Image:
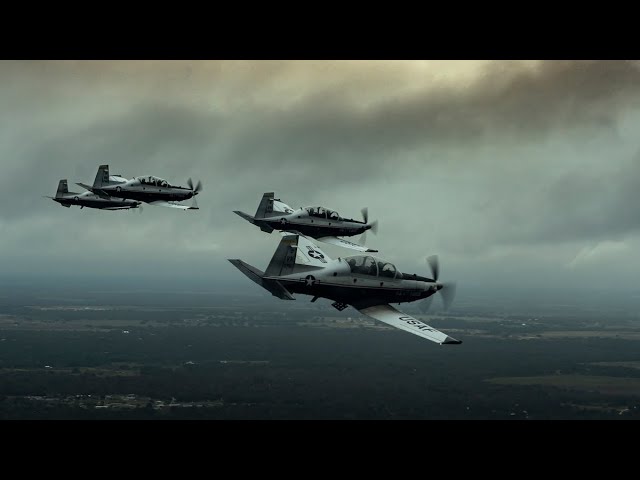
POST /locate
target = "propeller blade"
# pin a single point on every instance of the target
(190, 183)
(365, 214)
(374, 227)
(448, 292)
(198, 187)
(425, 305)
(434, 265)
(363, 238)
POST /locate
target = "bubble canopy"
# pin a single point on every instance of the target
(154, 181)
(371, 266)
(321, 212)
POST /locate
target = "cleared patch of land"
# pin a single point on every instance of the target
(115, 371)
(635, 365)
(605, 385)
(620, 334)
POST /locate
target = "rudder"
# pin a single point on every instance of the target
(62, 188)
(284, 258)
(265, 209)
(102, 177)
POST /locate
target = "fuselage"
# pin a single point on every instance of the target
(147, 189)
(91, 200)
(353, 285)
(314, 225)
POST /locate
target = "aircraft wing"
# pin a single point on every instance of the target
(162, 203)
(395, 318)
(286, 233)
(341, 242)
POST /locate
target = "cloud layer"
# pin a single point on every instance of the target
(512, 171)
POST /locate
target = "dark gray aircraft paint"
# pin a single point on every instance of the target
(316, 222)
(367, 283)
(90, 200)
(146, 189)
(149, 189)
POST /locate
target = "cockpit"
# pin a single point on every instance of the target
(153, 181)
(321, 212)
(373, 267)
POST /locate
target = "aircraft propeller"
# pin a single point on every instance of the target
(448, 290)
(373, 226)
(198, 188)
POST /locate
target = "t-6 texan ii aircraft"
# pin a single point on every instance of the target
(148, 189)
(367, 283)
(317, 222)
(87, 199)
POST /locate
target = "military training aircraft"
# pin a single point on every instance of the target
(368, 284)
(317, 222)
(87, 199)
(148, 189)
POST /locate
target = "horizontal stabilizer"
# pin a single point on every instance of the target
(273, 286)
(101, 193)
(263, 225)
(246, 216)
(86, 187)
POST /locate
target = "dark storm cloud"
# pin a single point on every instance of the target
(583, 204)
(433, 160)
(505, 104)
(325, 129)
(147, 132)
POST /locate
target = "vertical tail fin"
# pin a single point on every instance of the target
(265, 209)
(296, 253)
(102, 177)
(62, 188)
(284, 259)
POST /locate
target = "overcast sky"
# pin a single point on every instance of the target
(515, 173)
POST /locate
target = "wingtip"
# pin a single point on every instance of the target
(451, 341)
(371, 250)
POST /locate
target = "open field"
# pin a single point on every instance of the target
(605, 385)
(194, 356)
